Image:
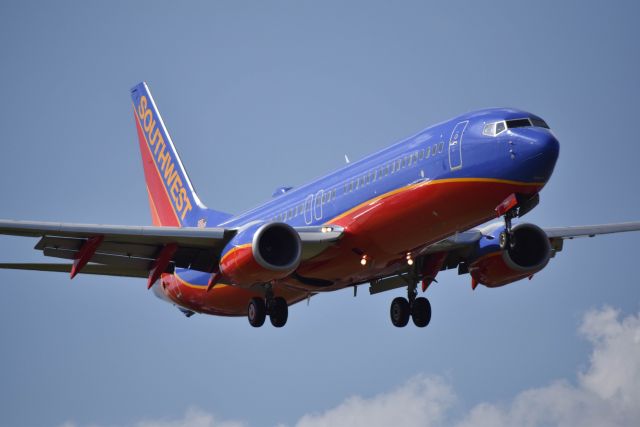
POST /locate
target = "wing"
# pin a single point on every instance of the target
(590, 230)
(137, 251)
(455, 250)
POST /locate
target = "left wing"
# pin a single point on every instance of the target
(139, 251)
(590, 230)
(455, 251)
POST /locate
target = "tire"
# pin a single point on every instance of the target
(256, 312)
(502, 240)
(421, 312)
(279, 312)
(400, 312)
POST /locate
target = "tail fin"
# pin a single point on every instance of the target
(172, 198)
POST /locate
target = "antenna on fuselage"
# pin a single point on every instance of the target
(346, 159)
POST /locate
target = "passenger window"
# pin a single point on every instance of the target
(333, 194)
(427, 152)
(440, 147)
(420, 154)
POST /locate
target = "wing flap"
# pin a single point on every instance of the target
(106, 270)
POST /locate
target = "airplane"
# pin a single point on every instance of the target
(393, 219)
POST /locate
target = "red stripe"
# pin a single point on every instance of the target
(159, 198)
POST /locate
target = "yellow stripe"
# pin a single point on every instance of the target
(234, 249)
(164, 187)
(435, 182)
(194, 286)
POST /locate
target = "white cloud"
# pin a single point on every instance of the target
(422, 401)
(606, 393)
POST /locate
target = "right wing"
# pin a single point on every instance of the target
(135, 251)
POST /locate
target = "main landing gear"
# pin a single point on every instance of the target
(507, 240)
(275, 307)
(419, 309)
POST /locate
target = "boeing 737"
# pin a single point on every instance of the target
(394, 219)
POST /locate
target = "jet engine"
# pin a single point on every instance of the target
(527, 252)
(259, 255)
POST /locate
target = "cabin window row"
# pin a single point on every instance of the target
(297, 210)
(392, 167)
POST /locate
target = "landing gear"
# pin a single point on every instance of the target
(275, 307)
(507, 240)
(256, 312)
(278, 312)
(421, 312)
(419, 309)
(400, 312)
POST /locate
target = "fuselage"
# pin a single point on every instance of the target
(447, 178)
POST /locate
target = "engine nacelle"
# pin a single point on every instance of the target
(261, 254)
(529, 253)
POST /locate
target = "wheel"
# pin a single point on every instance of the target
(400, 312)
(256, 312)
(278, 312)
(421, 312)
(503, 240)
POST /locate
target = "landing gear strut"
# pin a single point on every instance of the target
(506, 237)
(276, 307)
(419, 309)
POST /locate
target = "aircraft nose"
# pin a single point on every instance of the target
(537, 151)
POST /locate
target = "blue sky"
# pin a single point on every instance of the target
(258, 95)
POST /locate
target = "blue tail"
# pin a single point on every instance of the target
(172, 198)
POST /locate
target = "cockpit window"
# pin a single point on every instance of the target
(518, 123)
(496, 128)
(539, 123)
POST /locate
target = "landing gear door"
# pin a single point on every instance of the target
(455, 145)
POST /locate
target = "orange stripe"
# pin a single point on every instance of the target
(234, 249)
(420, 184)
(155, 218)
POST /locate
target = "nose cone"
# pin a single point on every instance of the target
(536, 151)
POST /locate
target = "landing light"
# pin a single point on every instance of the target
(364, 260)
(409, 259)
(326, 229)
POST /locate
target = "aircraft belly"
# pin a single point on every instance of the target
(387, 229)
(222, 299)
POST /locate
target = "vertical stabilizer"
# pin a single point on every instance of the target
(172, 199)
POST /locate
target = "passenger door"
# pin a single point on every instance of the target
(455, 145)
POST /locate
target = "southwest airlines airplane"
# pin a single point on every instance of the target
(393, 220)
